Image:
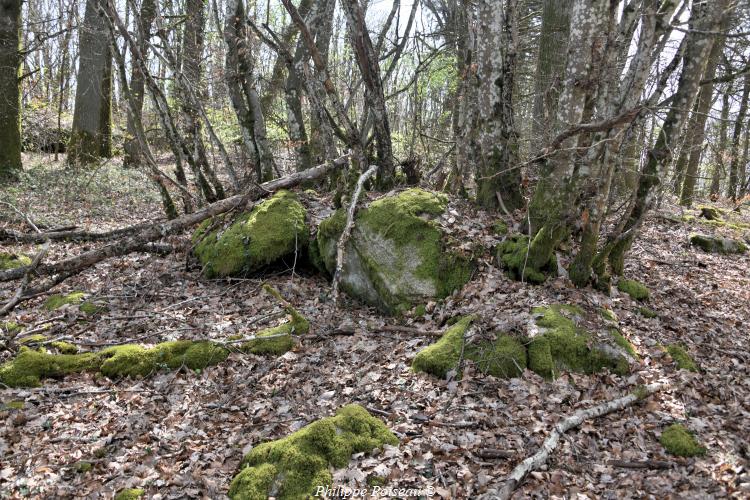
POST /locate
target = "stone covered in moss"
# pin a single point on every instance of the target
(681, 357)
(30, 366)
(293, 467)
(561, 345)
(274, 229)
(503, 358)
(511, 254)
(64, 347)
(57, 301)
(609, 315)
(397, 256)
(720, 245)
(278, 340)
(679, 441)
(710, 213)
(443, 356)
(130, 494)
(636, 289)
(12, 260)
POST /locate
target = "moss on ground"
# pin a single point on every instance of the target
(278, 340)
(10, 327)
(130, 494)
(83, 467)
(504, 358)
(443, 356)
(511, 254)
(500, 227)
(679, 441)
(623, 342)
(564, 346)
(636, 289)
(717, 245)
(293, 467)
(64, 347)
(681, 357)
(12, 260)
(609, 314)
(647, 313)
(274, 229)
(31, 366)
(91, 309)
(57, 301)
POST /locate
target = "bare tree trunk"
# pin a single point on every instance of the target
(10, 95)
(734, 165)
(720, 167)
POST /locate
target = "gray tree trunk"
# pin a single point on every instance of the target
(10, 95)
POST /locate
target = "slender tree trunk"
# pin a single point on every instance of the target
(91, 137)
(10, 95)
(734, 164)
(720, 167)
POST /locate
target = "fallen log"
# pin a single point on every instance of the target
(570, 422)
(133, 242)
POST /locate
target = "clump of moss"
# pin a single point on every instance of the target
(57, 301)
(10, 327)
(31, 366)
(620, 340)
(272, 230)
(32, 339)
(278, 340)
(636, 289)
(293, 467)
(443, 356)
(504, 358)
(648, 313)
(679, 441)
(130, 494)
(500, 227)
(717, 245)
(609, 314)
(710, 213)
(83, 467)
(681, 357)
(64, 347)
(13, 260)
(91, 309)
(564, 346)
(12, 405)
(511, 254)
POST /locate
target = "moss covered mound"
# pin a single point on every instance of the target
(31, 366)
(273, 230)
(710, 213)
(293, 467)
(12, 260)
(713, 244)
(679, 441)
(57, 301)
(7, 327)
(277, 340)
(648, 313)
(505, 357)
(397, 256)
(130, 494)
(636, 289)
(681, 357)
(561, 345)
(511, 254)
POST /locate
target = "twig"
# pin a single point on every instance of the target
(645, 464)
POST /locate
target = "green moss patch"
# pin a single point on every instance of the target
(609, 315)
(512, 253)
(500, 227)
(12, 260)
(713, 244)
(710, 213)
(293, 467)
(10, 327)
(648, 313)
(679, 441)
(57, 301)
(623, 342)
(64, 347)
(278, 340)
(130, 494)
(443, 356)
(636, 289)
(564, 346)
(397, 256)
(504, 358)
(681, 357)
(273, 230)
(31, 366)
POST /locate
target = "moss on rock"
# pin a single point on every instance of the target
(91, 309)
(713, 244)
(274, 229)
(681, 357)
(12, 260)
(623, 342)
(561, 345)
(57, 301)
(443, 356)
(679, 441)
(512, 253)
(293, 467)
(31, 366)
(609, 315)
(397, 255)
(636, 289)
(64, 347)
(278, 340)
(504, 358)
(130, 494)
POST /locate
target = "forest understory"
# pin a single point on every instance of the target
(182, 434)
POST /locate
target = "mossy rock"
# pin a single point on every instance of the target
(505, 357)
(130, 494)
(13, 260)
(31, 366)
(710, 213)
(636, 289)
(64, 347)
(397, 256)
(57, 301)
(681, 357)
(274, 229)
(561, 345)
(292, 468)
(278, 339)
(720, 245)
(609, 315)
(679, 441)
(511, 255)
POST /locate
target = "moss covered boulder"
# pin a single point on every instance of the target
(12, 260)
(397, 256)
(512, 255)
(636, 289)
(682, 358)
(679, 441)
(294, 467)
(31, 366)
(273, 230)
(714, 244)
(505, 357)
(557, 344)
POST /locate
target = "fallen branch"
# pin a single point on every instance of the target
(570, 422)
(645, 464)
(19, 295)
(347, 232)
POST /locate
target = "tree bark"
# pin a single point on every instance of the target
(734, 162)
(10, 95)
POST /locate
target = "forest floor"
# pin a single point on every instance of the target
(182, 434)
